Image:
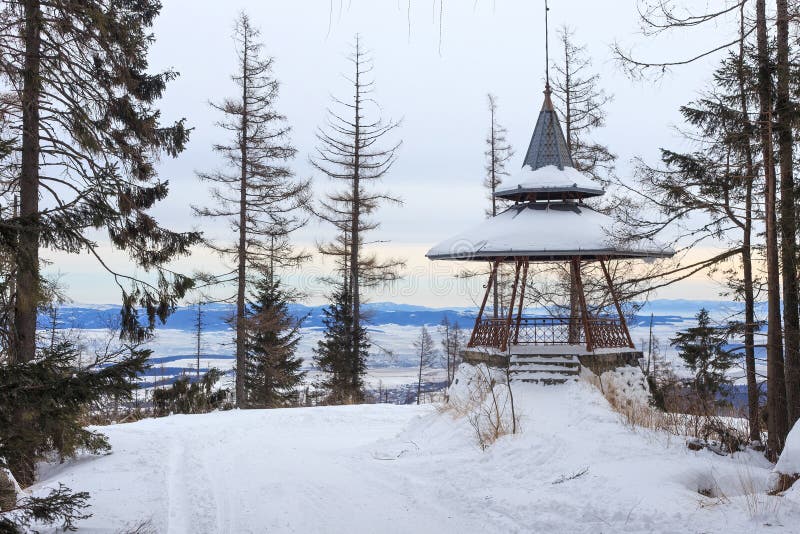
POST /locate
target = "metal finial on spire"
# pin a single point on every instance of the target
(546, 48)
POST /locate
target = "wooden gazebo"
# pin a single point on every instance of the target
(548, 222)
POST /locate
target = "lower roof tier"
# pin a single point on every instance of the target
(544, 232)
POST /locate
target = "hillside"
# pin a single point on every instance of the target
(384, 468)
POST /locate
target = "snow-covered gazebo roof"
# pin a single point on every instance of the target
(549, 221)
(543, 232)
(549, 183)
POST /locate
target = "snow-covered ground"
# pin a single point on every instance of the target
(386, 468)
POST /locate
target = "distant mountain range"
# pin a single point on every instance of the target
(216, 317)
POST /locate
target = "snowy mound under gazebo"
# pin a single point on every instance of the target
(548, 222)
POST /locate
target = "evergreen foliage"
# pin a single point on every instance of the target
(42, 403)
(185, 396)
(335, 355)
(60, 506)
(86, 138)
(702, 348)
(272, 373)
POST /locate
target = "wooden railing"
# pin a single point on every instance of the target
(604, 332)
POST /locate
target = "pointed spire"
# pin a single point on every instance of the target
(548, 145)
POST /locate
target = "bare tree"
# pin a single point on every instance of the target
(427, 353)
(198, 331)
(453, 340)
(257, 193)
(582, 104)
(498, 152)
(350, 152)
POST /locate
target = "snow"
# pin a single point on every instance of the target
(549, 177)
(385, 468)
(556, 230)
(627, 383)
(789, 462)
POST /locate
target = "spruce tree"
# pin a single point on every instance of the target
(273, 370)
(702, 348)
(352, 153)
(343, 366)
(42, 402)
(256, 193)
(86, 140)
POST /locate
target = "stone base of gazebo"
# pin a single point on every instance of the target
(561, 359)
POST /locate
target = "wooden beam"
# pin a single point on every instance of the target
(511, 302)
(521, 299)
(623, 322)
(576, 262)
(483, 304)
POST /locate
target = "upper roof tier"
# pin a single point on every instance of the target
(544, 232)
(548, 172)
(549, 183)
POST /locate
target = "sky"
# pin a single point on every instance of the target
(434, 64)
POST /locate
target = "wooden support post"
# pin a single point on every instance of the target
(521, 299)
(576, 263)
(504, 344)
(483, 304)
(622, 320)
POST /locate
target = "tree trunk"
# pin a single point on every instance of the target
(776, 385)
(242, 259)
(574, 325)
(419, 379)
(788, 223)
(747, 263)
(27, 282)
(493, 180)
(354, 234)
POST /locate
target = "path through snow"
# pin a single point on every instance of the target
(396, 469)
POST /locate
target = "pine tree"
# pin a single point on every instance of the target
(187, 396)
(273, 372)
(351, 152)
(702, 348)
(42, 402)
(344, 368)
(87, 136)
(257, 193)
(710, 194)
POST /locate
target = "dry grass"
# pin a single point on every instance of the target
(488, 407)
(688, 419)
